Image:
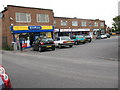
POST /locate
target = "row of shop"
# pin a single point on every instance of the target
(31, 33)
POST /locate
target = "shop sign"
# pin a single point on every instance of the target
(56, 30)
(16, 28)
(20, 28)
(81, 29)
(65, 30)
(34, 27)
(96, 29)
(46, 27)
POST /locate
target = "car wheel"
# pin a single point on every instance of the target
(40, 49)
(33, 49)
(90, 40)
(53, 48)
(83, 42)
(76, 43)
(70, 45)
(60, 46)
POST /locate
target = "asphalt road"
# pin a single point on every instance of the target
(91, 65)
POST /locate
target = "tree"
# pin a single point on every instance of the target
(116, 24)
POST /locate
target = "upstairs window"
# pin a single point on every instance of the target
(101, 24)
(74, 23)
(83, 23)
(23, 17)
(43, 18)
(95, 23)
(63, 23)
(90, 24)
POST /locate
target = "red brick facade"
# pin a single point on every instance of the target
(9, 19)
(69, 23)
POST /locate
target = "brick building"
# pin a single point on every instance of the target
(27, 22)
(31, 23)
(66, 26)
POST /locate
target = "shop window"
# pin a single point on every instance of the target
(43, 18)
(23, 17)
(101, 24)
(74, 23)
(95, 23)
(83, 23)
(63, 23)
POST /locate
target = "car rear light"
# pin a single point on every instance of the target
(5, 78)
(53, 42)
(72, 41)
(41, 43)
(65, 42)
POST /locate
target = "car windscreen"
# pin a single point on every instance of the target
(46, 39)
(65, 38)
(80, 36)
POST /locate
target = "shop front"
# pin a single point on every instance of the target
(70, 32)
(27, 34)
(98, 31)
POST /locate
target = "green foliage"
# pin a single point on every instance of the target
(116, 24)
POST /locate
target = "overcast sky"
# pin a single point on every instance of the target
(86, 9)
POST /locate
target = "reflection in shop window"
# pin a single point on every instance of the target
(23, 17)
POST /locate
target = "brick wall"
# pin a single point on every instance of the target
(69, 24)
(10, 13)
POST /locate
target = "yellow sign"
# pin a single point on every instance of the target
(46, 27)
(20, 27)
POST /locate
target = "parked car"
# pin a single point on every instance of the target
(104, 36)
(79, 39)
(5, 82)
(108, 35)
(63, 41)
(88, 38)
(43, 44)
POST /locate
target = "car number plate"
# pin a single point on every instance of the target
(68, 42)
(48, 46)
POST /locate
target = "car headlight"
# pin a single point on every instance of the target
(5, 76)
(2, 70)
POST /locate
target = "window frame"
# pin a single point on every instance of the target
(96, 24)
(102, 24)
(28, 16)
(64, 21)
(83, 23)
(45, 21)
(74, 23)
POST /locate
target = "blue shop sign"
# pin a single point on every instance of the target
(34, 27)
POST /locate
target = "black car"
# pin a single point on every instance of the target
(43, 44)
(88, 38)
(108, 35)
